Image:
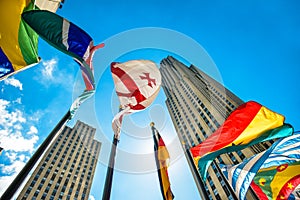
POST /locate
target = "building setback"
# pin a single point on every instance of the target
(198, 105)
(67, 168)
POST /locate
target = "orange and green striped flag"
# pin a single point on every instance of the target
(18, 42)
(249, 124)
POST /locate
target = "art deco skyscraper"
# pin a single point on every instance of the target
(67, 168)
(198, 105)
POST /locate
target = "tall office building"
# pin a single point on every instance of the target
(198, 105)
(67, 168)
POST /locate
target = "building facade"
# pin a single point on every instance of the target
(50, 5)
(67, 168)
(198, 105)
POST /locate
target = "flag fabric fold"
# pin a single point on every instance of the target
(18, 42)
(282, 153)
(279, 175)
(71, 40)
(162, 162)
(277, 182)
(137, 83)
(249, 124)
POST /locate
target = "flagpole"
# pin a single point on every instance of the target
(226, 181)
(253, 195)
(14, 186)
(156, 158)
(110, 168)
(202, 192)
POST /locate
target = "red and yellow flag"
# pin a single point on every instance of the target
(247, 123)
(162, 161)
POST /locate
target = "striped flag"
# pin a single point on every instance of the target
(70, 39)
(240, 176)
(162, 162)
(137, 83)
(279, 175)
(249, 124)
(18, 42)
(66, 37)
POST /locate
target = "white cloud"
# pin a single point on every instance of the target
(12, 124)
(91, 197)
(36, 115)
(18, 143)
(5, 181)
(50, 66)
(13, 168)
(50, 74)
(8, 119)
(33, 130)
(18, 138)
(13, 82)
(18, 100)
(12, 156)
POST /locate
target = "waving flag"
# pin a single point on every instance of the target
(277, 182)
(18, 42)
(162, 162)
(66, 37)
(279, 175)
(137, 84)
(249, 124)
(282, 153)
(70, 39)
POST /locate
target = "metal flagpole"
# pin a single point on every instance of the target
(202, 192)
(110, 168)
(14, 186)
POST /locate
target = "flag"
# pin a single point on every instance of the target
(249, 124)
(71, 40)
(137, 83)
(277, 182)
(162, 162)
(66, 37)
(18, 42)
(240, 176)
(280, 173)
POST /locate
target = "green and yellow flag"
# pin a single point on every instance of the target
(18, 42)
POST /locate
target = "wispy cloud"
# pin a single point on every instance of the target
(13, 82)
(33, 130)
(5, 181)
(49, 67)
(13, 168)
(12, 123)
(51, 74)
(18, 137)
(9, 118)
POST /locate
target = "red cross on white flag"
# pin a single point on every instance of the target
(137, 84)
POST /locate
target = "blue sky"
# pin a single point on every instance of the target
(252, 47)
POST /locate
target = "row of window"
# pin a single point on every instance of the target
(84, 155)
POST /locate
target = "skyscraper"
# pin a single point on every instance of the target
(198, 105)
(67, 168)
